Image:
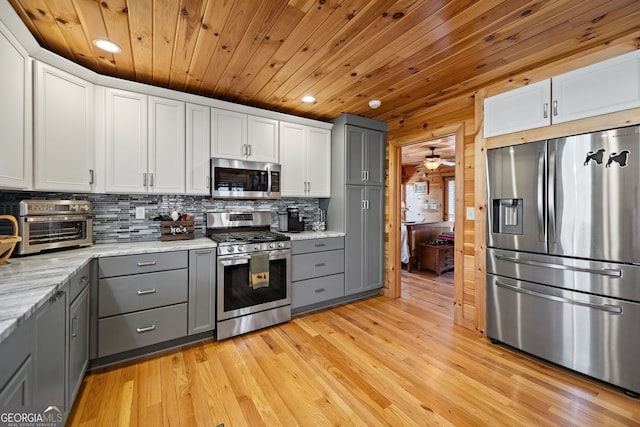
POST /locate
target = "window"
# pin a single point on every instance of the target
(450, 199)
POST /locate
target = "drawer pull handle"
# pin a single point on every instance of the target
(319, 290)
(146, 263)
(74, 327)
(320, 245)
(147, 291)
(84, 280)
(146, 329)
(322, 264)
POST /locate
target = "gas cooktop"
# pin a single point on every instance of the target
(244, 232)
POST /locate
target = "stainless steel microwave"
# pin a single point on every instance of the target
(243, 179)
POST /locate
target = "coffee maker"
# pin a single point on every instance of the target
(294, 223)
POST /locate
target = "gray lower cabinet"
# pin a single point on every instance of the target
(16, 368)
(45, 358)
(142, 300)
(49, 353)
(78, 343)
(202, 291)
(125, 332)
(364, 242)
(317, 272)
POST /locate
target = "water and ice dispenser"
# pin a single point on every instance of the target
(507, 216)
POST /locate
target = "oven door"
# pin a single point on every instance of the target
(41, 233)
(236, 296)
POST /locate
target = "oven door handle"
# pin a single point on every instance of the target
(244, 258)
(235, 261)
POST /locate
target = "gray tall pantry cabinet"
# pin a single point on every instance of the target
(356, 206)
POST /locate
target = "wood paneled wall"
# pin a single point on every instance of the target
(466, 112)
(427, 207)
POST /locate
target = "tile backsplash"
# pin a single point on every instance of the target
(114, 216)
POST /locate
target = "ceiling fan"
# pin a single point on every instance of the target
(433, 161)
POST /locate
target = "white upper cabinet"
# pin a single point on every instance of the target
(262, 139)
(293, 160)
(166, 167)
(198, 133)
(126, 142)
(605, 87)
(15, 114)
(524, 108)
(305, 157)
(319, 161)
(602, 88)
(228, 134)
(64, 131)
(243, 137)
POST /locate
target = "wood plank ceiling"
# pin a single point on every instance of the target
(269, 53)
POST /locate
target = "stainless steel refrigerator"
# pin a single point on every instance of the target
(563, 252)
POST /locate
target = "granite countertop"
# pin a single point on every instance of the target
(306, 235)
(27, 283)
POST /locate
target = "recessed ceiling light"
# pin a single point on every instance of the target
(107, 45)
(308, 99)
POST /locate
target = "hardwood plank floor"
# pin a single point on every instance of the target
(374, 362)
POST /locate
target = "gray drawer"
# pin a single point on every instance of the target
(119, 295)
(130, 331)
(316, 264)
(15, 349)
(315, 245)
(79, 281)
(145, 263)
(317, 290)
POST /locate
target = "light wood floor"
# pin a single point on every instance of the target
(375, 362)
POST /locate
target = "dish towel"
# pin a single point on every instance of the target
(259, 269)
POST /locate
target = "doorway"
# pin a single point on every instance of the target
(395, 216)
(427, 195)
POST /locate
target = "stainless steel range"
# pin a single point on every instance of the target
(253, 272)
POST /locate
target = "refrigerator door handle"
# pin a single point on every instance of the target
(604, 307)
(552, 195)
(540, 196)
(601, 272)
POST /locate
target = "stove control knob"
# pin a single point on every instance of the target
(240, 248)
(281, 245)
(256, 248)
(272, 245)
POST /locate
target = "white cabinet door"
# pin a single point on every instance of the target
(524, 108)
(605, 87)
(198, 134)
(319, 163)
(262, 139)
(15, 114)
(305, 157)
(126, 142)
(293, 159)
(228, 134)
(166, 162)
(64, 131)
